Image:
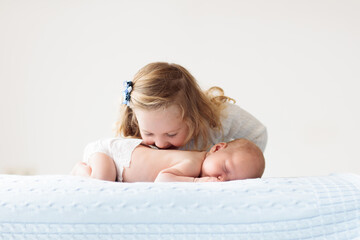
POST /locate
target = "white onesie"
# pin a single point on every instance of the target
(119, 149)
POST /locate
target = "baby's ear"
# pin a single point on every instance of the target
(218, 146)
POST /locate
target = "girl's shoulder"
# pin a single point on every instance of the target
(238, 123)
(232, 112)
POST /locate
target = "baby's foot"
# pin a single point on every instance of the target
(81, 169)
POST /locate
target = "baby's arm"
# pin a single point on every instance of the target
(183, 172)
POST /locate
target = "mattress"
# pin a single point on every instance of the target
(69, 207)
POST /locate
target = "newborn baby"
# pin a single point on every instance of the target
(238, 159)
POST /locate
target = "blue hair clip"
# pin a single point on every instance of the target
(128, 87)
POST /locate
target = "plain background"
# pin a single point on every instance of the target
(295, 65)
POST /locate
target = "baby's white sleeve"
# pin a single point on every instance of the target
(116, 148)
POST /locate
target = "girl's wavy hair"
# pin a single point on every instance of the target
(161, 84)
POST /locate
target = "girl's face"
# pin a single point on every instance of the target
(163, 128)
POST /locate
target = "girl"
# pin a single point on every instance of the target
(165, 107)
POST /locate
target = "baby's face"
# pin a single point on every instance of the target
(227, 164)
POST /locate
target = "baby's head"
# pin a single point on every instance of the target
(238, 159)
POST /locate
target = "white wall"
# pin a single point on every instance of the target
(292, 64)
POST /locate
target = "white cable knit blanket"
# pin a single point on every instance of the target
(67, 207)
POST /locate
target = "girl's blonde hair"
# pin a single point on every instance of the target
(159, 85)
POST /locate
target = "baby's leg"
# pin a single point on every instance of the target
(81, 169)
(102, 167)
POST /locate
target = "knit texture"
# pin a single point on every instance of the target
(67, 207)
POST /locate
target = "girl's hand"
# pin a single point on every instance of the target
(207, 179)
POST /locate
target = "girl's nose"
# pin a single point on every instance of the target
(162, 144)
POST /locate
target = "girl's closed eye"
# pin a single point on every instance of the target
(171, 134)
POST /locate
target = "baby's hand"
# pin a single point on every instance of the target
(207, 179)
